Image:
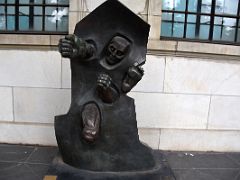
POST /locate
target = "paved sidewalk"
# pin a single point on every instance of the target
(204, 166)
(32, 162)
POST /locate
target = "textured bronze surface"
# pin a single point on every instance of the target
(99, 133)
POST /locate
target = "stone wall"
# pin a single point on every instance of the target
(189, 98)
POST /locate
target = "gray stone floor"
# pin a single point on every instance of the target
(204, 166)
(31, 163)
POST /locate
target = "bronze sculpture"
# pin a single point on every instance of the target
(98, 137)
(73, 47)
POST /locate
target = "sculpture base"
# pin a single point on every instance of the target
(62, 171)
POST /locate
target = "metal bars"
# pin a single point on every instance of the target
(237, 23)
(212, 20)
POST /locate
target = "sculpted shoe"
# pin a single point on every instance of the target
(91, 121)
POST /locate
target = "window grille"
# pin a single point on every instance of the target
(214, 21)
(34, 16)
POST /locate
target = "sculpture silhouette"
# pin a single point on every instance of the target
(99, 133)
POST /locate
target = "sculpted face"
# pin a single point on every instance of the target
(117, 50)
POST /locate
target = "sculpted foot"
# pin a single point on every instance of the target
(91, 122)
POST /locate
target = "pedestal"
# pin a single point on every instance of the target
(62, 171)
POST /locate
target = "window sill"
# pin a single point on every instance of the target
(29, 40)
(192, 48)
(154, 46)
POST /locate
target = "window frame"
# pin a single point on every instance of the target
(31, 6)
(198, 14)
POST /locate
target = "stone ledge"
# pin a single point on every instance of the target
(29, 39)
(181, 48)
(157, 45)
(208, 48)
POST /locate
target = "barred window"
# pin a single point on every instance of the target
(34, 16)
(214, 21)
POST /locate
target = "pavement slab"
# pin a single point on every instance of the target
(32, 163)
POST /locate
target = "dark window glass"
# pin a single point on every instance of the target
(206, 6)
(10, 1)
(23, 1)
(226, 7)
(23, 18)
(38, 1)
(191, 26)
(34, 16)
(10, 23)
(192, 5)
(201, 20)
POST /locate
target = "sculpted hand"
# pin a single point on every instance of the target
(106, 89)
(68, 46)
(104, 81)
(71, 46)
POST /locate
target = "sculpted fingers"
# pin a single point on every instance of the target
(74, 39)
(65, 47)
(66, 54)
(71, 47)
(104, 83)
(104, 80)
(66, 51)
(70, 37)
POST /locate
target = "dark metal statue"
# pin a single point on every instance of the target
(99, 133)
(73, 47)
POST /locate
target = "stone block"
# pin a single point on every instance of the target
(160, 45)
(27, 134)
(202, 76)
(137, 6)
(30, 68)
(155, 7)
(224, 113)
(73, 20)
(6, 104)
(199, 140)
(208, 48)
(55, 39)
(24, 39)
(150, 137)
(38, 105)
(155, 110)
(155, 22)
(153, 75)
(93, 4)
(66, 73)
(74, 5)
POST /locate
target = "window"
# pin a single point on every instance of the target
(34, 16)
(201, 20)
